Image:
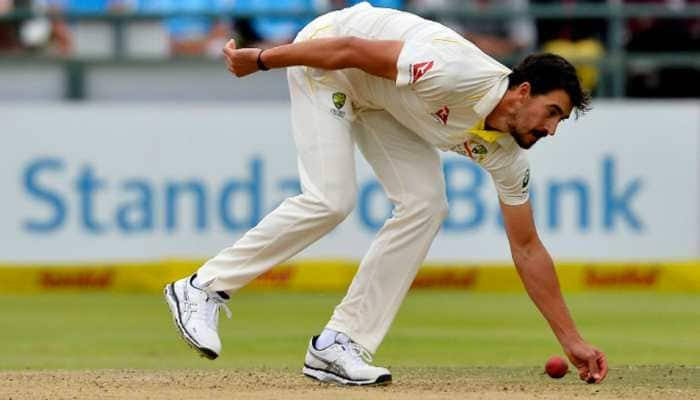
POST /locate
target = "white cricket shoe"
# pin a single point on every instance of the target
(344, 362)
(196, 315)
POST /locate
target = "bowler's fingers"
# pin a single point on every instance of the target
(229, 52)
(594, 374)
(230, 48)
(229, 64)
(602, 366)
(597, 368)
(583, 373)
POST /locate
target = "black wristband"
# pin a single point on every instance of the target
(261, 64)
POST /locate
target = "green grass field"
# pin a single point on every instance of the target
(270, 330)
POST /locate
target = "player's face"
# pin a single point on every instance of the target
(538, 116)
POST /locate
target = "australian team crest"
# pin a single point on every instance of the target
(477, 151)
(339, 102)
(478, 148)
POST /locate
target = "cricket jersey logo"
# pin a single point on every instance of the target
(526, 180)
(479, 149)
(420, 69)
(339, 102)
(475, 151)
(442, 114)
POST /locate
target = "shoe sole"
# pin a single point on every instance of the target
(330, 377)
(174, 306)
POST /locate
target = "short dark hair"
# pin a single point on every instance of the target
(546, 72)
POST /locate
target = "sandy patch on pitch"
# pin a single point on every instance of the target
(409, 384)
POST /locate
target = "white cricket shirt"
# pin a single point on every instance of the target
(444, 90)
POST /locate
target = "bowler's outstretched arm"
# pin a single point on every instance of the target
(537, 273)
(375, 57)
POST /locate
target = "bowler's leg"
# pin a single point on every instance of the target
(326, 165)
(327, 172)
(411, 173)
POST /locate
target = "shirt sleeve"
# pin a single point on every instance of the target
(426, 69)
(512, 180)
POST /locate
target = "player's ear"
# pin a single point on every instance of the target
(524, 89)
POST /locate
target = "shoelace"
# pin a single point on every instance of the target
(212, 312)
(211, 309)
(356, 354)
(361, 352)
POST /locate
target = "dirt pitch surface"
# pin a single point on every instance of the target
(653, 382)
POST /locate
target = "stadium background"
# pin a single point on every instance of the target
(130, 156)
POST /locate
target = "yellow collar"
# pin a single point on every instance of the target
(487, 135)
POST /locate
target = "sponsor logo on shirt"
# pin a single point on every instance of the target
(339, 102)
(419, 69)
(526, 180)
(475, 151)
(442, 114)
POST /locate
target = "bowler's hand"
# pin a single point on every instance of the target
(240, 62)
(590, 362)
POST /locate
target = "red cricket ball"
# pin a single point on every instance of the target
(556, 367)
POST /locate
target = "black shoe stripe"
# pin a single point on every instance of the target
(180, 325)
(186, 335)
(383, 379)
(380, 378)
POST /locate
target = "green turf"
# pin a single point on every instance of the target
(434, 328)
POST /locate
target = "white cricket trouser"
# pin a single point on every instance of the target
(410, 171)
